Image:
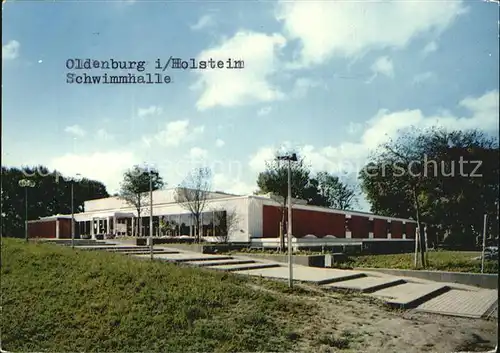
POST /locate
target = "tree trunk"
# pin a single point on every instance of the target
(420, 228)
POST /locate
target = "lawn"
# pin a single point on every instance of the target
(455, 261)
(55, 299)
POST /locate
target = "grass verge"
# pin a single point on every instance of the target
(56, 299)
(454, 261)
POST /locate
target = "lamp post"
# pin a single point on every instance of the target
(290, 158)
(77, 178)
(150, 213)
(26, 183)
(485, 225)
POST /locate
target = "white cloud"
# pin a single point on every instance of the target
(219, 143)
(106, 167)
(430, 48)
(422, 77)
(302, 86)
(258, 161)
(354, 128)
(264, 111)
(103, 135)
(348, 158)
(10, 51)
(198, 153)
(232, 185)
(351, 28)
(177, 132)
(204, 22)
(151, 110)
(233, 87)
(75, 130)
(383, 66)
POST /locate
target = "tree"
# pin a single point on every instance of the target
(135, 187)
(333, 193)
(193, 193)
(275, 180)
(226, 222)
(51, 195)
(427, 174)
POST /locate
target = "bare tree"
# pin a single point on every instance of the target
(226, 223)
(193, 193)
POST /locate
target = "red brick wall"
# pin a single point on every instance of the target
(379, 228)
(323, 223)
(271, 218)
(42, 229)
(359, 227)
(65, 228)
(304, 222)
(410, 230)
(396, 230)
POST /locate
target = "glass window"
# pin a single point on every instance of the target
(185, 224)
(220, 223)
(208, 224)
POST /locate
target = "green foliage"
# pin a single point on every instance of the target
(439, 168)
(50, 195)
(453, 261)
(136, 182)
(323, 189)
(59, 300)
(135, 187)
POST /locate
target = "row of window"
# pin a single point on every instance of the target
(213, 224)
(408, 229)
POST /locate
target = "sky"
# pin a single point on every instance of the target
(329, 79)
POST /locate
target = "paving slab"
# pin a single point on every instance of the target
(409, 295)
(462, 303)
(138, 252)
(366, 284)
(423, 281)
(307, 274)
(242, 267)
(183, 257)
(109, 247)
(212, 262)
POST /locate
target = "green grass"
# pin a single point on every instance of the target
(454, 261)
(57, 299)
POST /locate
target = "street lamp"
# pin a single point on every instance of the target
(151, 213)
(149, 172)
(26, 183)
(290, 158)
(76, 178)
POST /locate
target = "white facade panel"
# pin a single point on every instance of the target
(255, 220)
(238, 205)
(160, 197)
(164, 204)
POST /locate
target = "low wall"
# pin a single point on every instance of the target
(489, 281)
(201, 248)
(304, 260)
(186, 247)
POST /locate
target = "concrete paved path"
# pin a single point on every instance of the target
(405, 292)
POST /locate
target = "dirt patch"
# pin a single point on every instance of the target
(356, 323)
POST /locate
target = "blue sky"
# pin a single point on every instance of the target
(329, 79)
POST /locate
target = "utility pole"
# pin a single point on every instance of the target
(73, 180)
(417, 232)
(289, 230)
(26, 183)
(485, 225)
(151, 214)
(290, 158)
